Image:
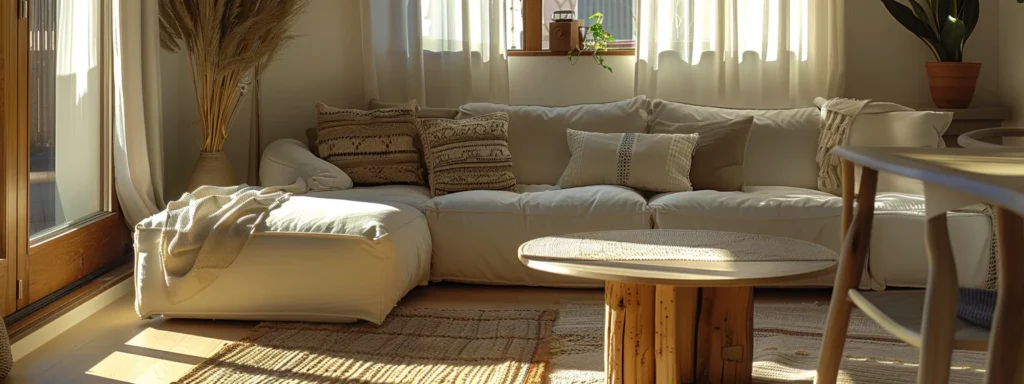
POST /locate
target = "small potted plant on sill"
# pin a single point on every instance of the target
(594, 41)
(944, 26)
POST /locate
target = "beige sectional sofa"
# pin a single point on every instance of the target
(473, 237)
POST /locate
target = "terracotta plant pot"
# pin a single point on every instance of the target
(952, 83)
(212, 168)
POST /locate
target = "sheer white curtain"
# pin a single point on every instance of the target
(442, 53)
(138, 152)
(740, 53)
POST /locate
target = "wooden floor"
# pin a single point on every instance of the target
(115, 346)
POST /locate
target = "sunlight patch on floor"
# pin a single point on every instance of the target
(175, 342)
(132, 368)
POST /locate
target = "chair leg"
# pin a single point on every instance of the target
(1005, 349)
(851, 266)
(938, 323)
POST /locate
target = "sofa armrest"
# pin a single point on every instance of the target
(287, 160)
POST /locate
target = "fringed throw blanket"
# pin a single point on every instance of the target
(837, 117)
(202, 232)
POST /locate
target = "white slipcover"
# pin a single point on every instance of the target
(316, 260)
(477, 234)
(411, 195)
(897, 256)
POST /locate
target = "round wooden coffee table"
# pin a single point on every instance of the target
(679, 302)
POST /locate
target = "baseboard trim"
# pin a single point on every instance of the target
(43, 334)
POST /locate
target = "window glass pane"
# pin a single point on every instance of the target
(619, 18)
(65, 115)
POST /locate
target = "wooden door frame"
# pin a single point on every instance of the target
(11, 79)
(93, 241)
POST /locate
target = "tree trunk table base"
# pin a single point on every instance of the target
(669, 334)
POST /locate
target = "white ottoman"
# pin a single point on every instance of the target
(321, 260)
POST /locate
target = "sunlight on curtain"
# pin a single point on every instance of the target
(740, 53)
(441, 53)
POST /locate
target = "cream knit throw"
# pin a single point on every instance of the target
(203, 231)
(837, 117)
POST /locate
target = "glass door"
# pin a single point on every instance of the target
(58, 193)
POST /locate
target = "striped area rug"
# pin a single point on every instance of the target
(787, 338)
(411, 346)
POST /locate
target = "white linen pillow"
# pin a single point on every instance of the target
(922, 129)
(644, 161)
(287, 160)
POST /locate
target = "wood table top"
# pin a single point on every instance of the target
(679, 257)
(996, 175)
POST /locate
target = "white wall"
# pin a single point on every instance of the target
(1011, 60)
(884, 62)
(552, 81)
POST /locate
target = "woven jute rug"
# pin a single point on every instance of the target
(411, 346)
(787, 341)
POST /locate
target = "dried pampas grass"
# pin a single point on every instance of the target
(225, 41)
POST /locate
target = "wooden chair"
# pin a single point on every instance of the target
(928, 319)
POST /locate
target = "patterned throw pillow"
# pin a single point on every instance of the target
(372, 147)
(468, 154)
(643, 161)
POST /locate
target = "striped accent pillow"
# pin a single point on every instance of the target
(372, 147)
(468, 154)
(647, 162)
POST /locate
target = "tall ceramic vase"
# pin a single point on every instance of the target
(212, 168)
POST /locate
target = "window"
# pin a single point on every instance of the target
(528, 22)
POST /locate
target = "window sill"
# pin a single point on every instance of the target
(617, 52)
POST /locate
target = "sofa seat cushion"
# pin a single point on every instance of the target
(476, 234)
(411, 195)
(897, 257)
(317, 260)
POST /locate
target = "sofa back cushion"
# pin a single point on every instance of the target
(537, 135)
(920, 129)
(782, 146)
(423, 112)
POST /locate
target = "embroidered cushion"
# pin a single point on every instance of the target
(468, 154)
(648, 162)
(372, 147)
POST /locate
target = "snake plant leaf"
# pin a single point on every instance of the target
(953, 38)
(941, 11)
(969, 14)
(906, 17)
(922, 14)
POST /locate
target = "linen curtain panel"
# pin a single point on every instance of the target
(138, 151)
(442, 53)
(740, 53)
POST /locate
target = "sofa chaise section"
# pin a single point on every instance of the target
(317, 259)
(476, 235)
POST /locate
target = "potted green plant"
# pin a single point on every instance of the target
(944, 26)
(595, 40)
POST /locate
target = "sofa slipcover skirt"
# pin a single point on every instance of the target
(321, 260)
